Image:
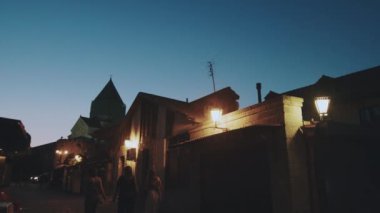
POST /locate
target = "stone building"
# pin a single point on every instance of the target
(66, 161)
(276, 156)
(13, 136)
(14, 142)
(355, 98)
(108, 105)
(106, 109)
(342, 148)
(243, 163)
(152, 119)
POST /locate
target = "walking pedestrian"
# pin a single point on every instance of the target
(153, 199)
(94, 192)
(125, 192)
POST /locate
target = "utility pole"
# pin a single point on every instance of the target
(210, 64)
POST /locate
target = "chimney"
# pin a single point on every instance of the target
(258, 87)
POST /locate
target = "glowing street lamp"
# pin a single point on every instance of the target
(60, 153)
(322, 105)
(78, 158)
(216, 115)
(131, 144)
(131, 147)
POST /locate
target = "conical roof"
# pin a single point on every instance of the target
(109, 92)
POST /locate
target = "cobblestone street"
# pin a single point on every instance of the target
(36, 199)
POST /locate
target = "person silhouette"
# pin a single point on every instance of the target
(94, 192)
(153, 199)
(126, 192)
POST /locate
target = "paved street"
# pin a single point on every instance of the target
(35, 199)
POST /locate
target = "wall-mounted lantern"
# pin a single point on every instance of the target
(322, 104)
(216, 115)
(131, 146)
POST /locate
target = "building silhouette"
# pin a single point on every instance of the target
(106, 109)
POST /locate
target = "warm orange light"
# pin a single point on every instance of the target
(131, 144)
(216, 115)
(322, 105)
(78, 158)
(60, 152)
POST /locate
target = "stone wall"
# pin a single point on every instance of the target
(271, 112)
(289, 179)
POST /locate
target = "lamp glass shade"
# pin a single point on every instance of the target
(216, 115)
(78, 158)
(322, 105)
(129, 144)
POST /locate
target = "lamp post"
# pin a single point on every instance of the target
(322, 104)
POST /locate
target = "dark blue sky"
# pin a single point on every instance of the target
(56, 56)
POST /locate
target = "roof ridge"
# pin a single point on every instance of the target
(359, 72)
(160, 97)
(214, 93)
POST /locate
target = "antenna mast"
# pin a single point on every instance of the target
(210, 64)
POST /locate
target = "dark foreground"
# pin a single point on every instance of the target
(33, 198)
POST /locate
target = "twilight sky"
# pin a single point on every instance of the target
(56, 56)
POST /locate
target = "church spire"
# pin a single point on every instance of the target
(109, 92)
(108, 103)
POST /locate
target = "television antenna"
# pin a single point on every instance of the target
(211, 73)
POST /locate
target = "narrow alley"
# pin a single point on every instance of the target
(33, 198)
